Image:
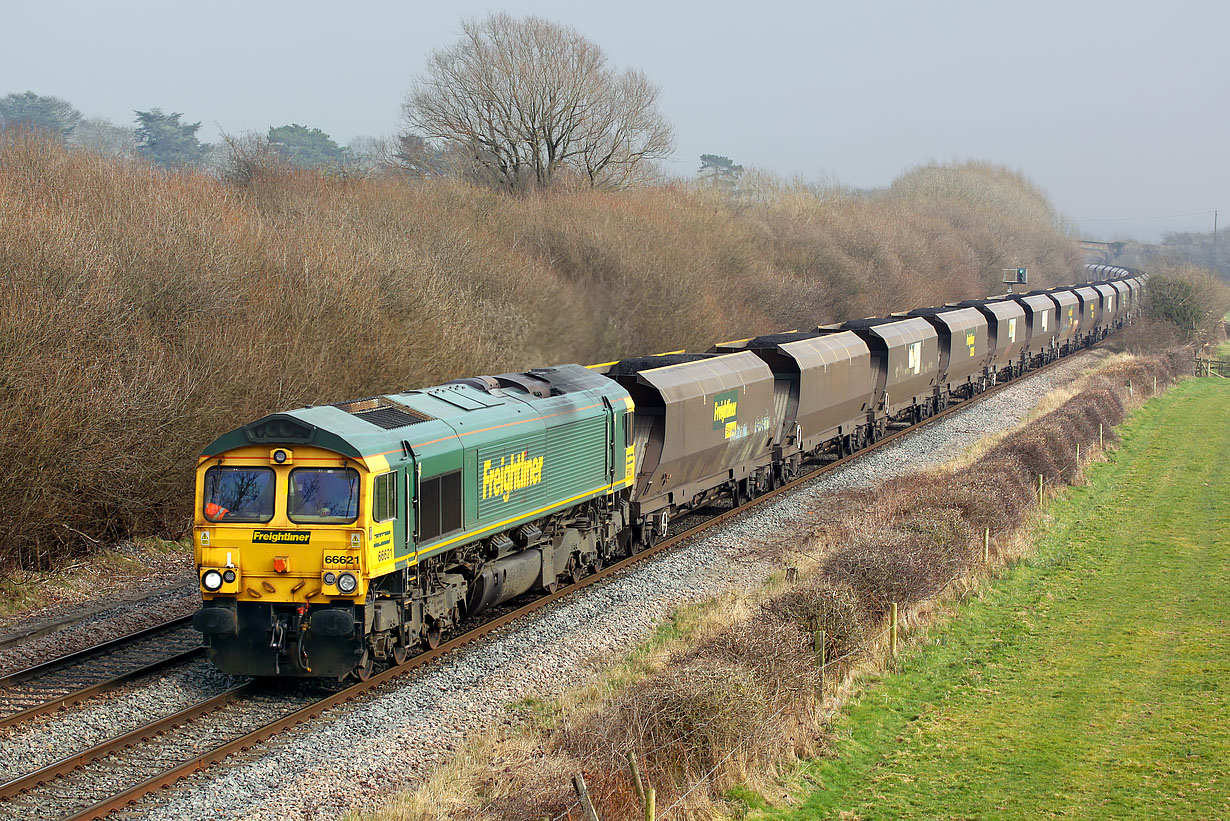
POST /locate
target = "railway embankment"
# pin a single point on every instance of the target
(732, 688)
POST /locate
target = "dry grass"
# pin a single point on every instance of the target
(144, 313)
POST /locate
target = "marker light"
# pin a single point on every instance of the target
(211, 580)
(279, 456)
(330, 578)
(228, 575)
(347, 583)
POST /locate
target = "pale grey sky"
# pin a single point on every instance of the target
(1118, 108)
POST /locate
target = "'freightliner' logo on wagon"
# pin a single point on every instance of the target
(281, 537)
(513, 473)
(725, 411)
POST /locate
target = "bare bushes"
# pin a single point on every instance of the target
(817, 605)
(144, 313)
(907, 563)
(727, 708)
(1191, 299)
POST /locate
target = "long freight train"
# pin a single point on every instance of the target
(330, 538)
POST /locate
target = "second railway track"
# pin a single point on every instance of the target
(70, 679)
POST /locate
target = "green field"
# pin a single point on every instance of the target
(1091, 681)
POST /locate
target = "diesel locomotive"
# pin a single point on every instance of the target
(332, 538)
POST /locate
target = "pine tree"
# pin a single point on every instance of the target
(166, 142)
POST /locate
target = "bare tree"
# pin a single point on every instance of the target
(527, 99)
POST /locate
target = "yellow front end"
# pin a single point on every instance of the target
(282, 537)
(280, 559)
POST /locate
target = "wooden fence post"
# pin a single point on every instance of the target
(587, 806)
(1131, 393)
(651, 811)
(892, 633)
(986, 545)
(1155, 385)
(637, 783)
(1078, 455)
(822, 651)
(1040, 490)
(1100, 436)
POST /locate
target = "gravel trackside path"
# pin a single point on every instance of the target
(387, 740)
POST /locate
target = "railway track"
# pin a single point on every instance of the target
(39, 628)
(118, 772)
(69, 679)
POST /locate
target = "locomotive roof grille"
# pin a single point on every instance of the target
(383, 412)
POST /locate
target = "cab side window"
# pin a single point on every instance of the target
(384, 497)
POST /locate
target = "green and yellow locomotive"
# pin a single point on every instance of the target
(333, 536)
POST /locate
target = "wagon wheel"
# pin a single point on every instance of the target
(365, 667)
(432, 637)
(640, 545)
(400, 654)
(578, 572)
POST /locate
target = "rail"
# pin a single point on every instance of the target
(72, 678)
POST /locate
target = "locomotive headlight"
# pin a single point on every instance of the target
(211, 580)
(347, 583)
(228, 575)
(330, 578)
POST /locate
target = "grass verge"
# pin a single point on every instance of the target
(1091, 680)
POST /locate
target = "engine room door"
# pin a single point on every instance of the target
(405, 548)
(610, 440)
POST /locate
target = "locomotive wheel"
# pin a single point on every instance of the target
(432, 638)
(400, 654)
